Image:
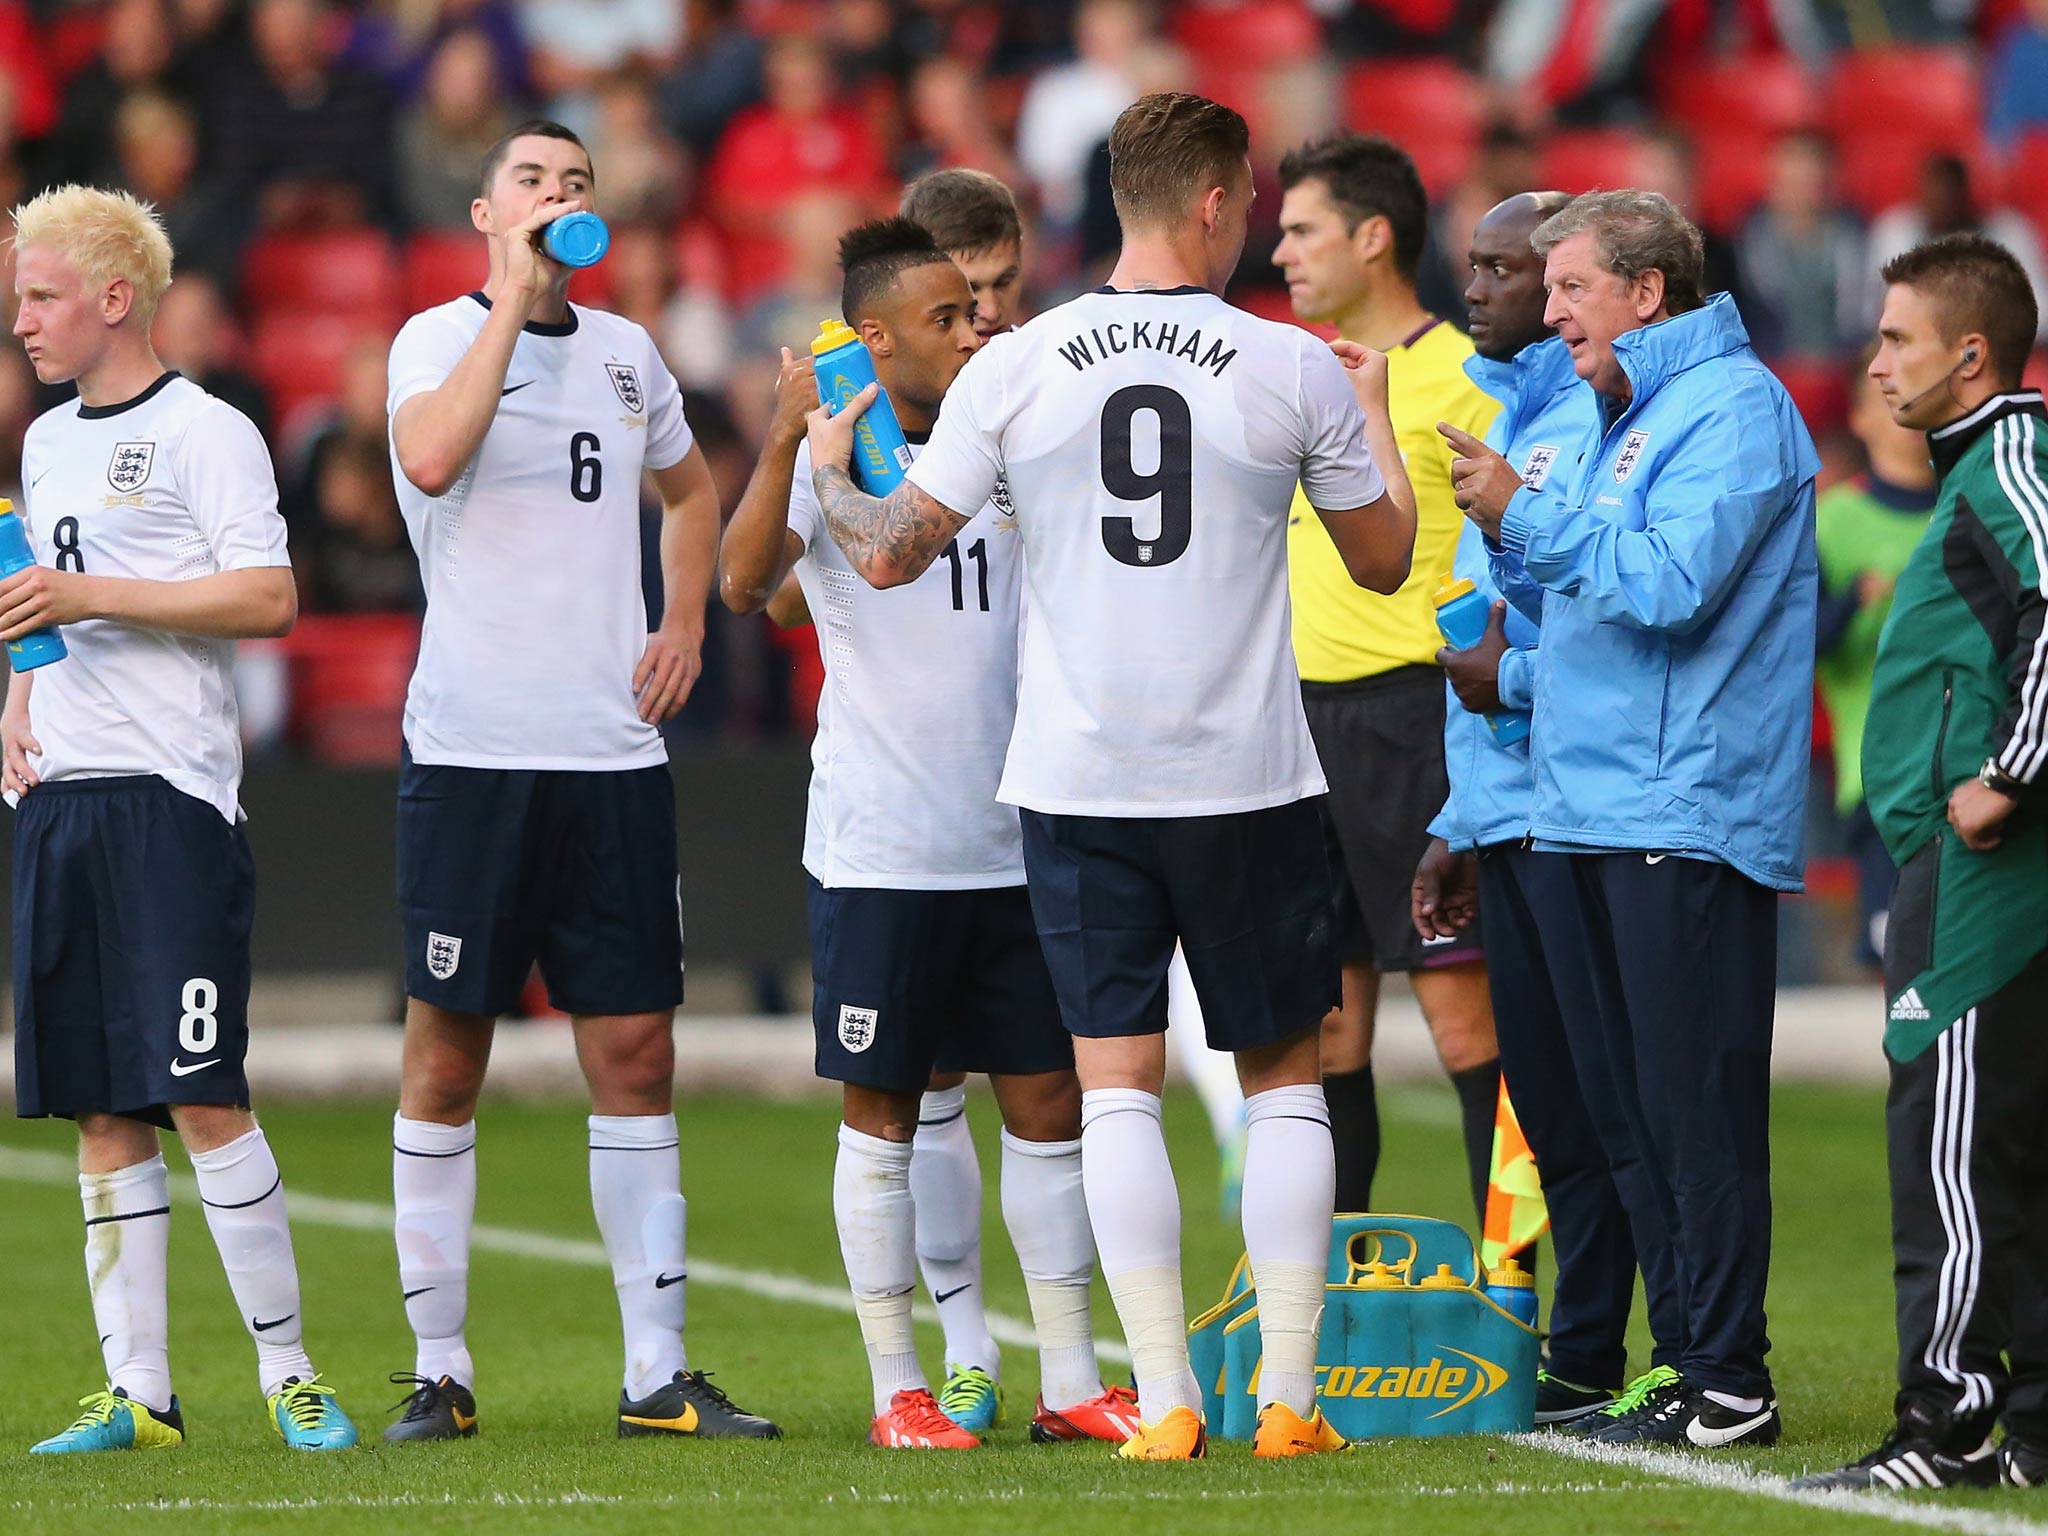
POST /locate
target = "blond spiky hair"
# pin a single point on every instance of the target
(108, 234)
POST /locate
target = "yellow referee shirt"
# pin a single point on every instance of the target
(1342, 631)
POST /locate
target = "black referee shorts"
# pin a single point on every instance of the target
(1381, 742)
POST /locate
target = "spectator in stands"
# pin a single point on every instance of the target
(398, 43)
(442, 137)
(139, 54)
(718, 75)
(950, 127)
(1069, 109)
(1504, 164)
(1865, 529)
(577, 45)
(687, 320)
(156, 156)
(2016, 98)
(799, 140)
(194, 334)
(788, 315)
(1661, 160)
(304, 138)
(1947, 205)
(355, 556)
(28, 86)
(1802, 258)
(645, 170)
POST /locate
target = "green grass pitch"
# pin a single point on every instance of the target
(544, 1332)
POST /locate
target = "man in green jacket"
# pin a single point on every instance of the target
(1952, 754)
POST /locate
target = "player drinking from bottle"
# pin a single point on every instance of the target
(536, 819)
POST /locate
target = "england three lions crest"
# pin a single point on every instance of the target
(1632, 448)
(626, 380)
(130, 465)
(444, 954)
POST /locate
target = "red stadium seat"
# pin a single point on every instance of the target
(1586, 159)
(349, 674)
(337, 272)
(1731, 175)
(1926, 95)
(299, 359)
(1251, 34)
(1430, 107)
(1817, 386)
(1760, 96)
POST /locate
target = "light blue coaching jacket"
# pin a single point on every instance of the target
(1674, 685)
(1545, 423)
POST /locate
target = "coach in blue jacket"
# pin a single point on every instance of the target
(1597, 1181)
(1672, 730)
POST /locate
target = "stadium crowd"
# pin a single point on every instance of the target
(315, 164)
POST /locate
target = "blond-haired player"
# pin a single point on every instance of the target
(153, 512)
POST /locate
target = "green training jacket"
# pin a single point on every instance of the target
(1962, 676)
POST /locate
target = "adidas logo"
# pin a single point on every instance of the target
(1909, 1006)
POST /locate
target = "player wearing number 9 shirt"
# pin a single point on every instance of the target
(536, 818)
(153, 514)
(1152, 437)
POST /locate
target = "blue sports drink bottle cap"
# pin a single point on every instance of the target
(578, 239)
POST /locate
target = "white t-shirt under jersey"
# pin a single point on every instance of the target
(170, 486)
(1152, 442)
(920, 696)
(531, 561)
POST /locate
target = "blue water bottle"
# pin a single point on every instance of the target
(577, 239)
(43, 646)
(1461, 613)
(881, 453)
(1513, 1289)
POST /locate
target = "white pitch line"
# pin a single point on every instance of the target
(1733, 1477)
(58, 1171)
(55, 1169)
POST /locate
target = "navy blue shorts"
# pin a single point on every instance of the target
(906, 983)
(132, 908)
(1247, 895)
(499, 868)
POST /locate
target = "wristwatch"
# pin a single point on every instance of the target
(1991, 776)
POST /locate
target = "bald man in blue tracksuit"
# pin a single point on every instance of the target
(1676, 586)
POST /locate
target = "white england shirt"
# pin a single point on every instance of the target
(919, 700)
(531, 561)
(170, 486)
(1151, 442)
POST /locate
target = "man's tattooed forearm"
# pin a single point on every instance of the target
(902, 532)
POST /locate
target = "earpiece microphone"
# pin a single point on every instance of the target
(1969, 356)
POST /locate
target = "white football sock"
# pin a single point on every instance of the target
(433, 1184)
(945, 1187)
(1737, 1404)
(244, 1198)
(878, 1241)
(1212, 1073)
(636, 1177)
(1290, 1194)
(127, 1265)
(1046, 1209)
(1134, 1208)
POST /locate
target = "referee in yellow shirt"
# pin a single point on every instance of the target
(1352, 224)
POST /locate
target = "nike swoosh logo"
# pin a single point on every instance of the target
(39, 479)
(277, 1322)
(1655, 858)
(187, 1068)
(946, 1296)
(663, 1282)
(420, 1292)
(463, 1421)
(683, 1423)
(1707, 1438)
(512, 389)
